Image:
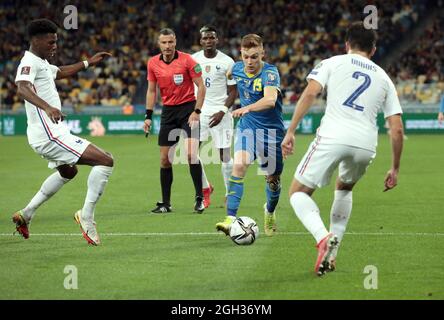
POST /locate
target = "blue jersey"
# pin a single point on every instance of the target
(251, 89)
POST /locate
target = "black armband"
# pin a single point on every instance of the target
(148, 114)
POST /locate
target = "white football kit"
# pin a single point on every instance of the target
(357, 89)
(53, 142)
(214, 75)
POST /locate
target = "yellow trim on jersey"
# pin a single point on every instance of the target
(251, 75)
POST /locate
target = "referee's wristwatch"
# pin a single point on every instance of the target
(198, 111)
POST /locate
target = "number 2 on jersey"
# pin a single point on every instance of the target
(350, 102)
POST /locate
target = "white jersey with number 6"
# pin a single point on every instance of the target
(214, 75)
(357, 89)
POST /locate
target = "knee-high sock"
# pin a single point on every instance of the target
(166, 180)
(196, 175)
(50, 186)
(97, 180)
(272, 197)
(205, 183)
(340, 212)
(227, 168)
(308, 212)
(235, 192)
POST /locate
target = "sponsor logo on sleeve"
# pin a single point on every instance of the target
(25, 70)
(197, 68)
(271, 77)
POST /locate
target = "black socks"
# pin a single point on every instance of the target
(166, 180)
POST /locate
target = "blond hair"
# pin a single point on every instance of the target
(251, 41)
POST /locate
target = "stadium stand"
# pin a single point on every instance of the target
(293, 42)
(419, 73)
(128, 31)
(296, 44)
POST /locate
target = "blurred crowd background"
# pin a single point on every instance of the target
(297, 35)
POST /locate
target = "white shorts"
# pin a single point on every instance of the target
(65, 149)
(321, 160)
(222, 134)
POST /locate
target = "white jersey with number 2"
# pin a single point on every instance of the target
(357, 89)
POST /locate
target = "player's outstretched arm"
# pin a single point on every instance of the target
(26, 91)
(397, 140)
(305, 102)
(67, 71)
(268, 101)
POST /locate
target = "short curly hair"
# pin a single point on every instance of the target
(41, 26)
(361, 38)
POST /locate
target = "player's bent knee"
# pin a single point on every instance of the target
(192, 158)
(68, 172)
(296, 186)
(165, 163)
(225, 158)
(239, 170)
(274, 183)
(109, 161)
(344, 186)
(224, 155)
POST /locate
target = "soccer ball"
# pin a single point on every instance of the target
(244, 231)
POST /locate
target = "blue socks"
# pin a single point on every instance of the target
(235, 192)
(272, 198)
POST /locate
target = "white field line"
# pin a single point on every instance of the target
(176, 234)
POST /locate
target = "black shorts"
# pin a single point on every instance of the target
(174, 123)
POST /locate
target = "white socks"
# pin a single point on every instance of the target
(96, 184)
(97, 180)
(227, 168)
(205, 183)
(340, 212)
(50, 186)
(308, 212)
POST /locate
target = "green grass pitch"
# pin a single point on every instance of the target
(180, 256)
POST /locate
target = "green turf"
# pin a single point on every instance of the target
(399, 232)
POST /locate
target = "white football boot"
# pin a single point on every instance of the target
(88, 229)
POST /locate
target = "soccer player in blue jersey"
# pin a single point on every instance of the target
(259, 132)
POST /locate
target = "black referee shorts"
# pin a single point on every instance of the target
(174, 123)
